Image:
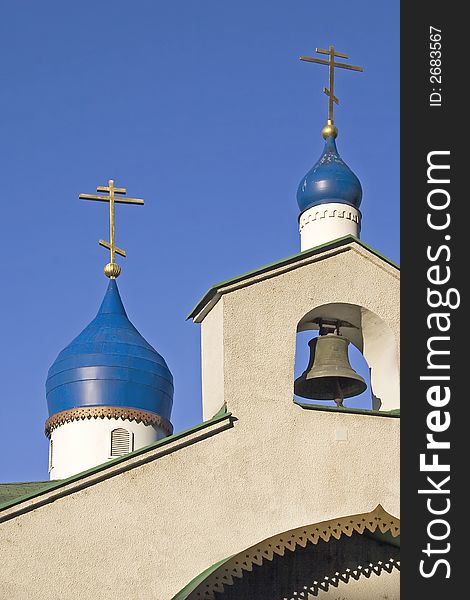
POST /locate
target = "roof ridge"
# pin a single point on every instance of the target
(211, 292)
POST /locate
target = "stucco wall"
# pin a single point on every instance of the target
(261, 316)
(145, 533)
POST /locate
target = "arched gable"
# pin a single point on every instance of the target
(378, 528)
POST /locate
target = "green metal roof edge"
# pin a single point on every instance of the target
(395, 413)
(220, 416)
(192, 585)
(285, 261)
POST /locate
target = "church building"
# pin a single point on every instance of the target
(283, 491)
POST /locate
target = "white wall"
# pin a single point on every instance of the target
(212, 351)
(328, 222)
(80, 445)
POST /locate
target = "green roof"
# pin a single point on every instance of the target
(19, 492)
(10, 492)
(286, 261)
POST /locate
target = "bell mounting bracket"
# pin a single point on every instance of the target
(331, 325)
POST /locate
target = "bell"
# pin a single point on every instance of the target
(328, 375)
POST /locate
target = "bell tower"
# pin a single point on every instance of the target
(337, 286)
(339, 293)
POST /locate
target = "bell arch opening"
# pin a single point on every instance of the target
(329, 363)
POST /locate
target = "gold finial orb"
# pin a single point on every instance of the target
(112, 270)
(330, 130)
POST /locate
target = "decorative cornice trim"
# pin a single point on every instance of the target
(107, 412)
(377, 520)
(310, 215)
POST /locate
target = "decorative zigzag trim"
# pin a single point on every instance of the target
(108, 412)
(235, 566)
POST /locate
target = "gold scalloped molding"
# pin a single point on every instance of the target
(107, 412)
(235, 566)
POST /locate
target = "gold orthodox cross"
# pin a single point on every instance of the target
(330, 129)
(112, 269)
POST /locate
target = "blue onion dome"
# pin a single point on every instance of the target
(329, 180)
(110, 365)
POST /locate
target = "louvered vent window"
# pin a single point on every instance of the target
(121, 442)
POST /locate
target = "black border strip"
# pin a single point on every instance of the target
(433, 120)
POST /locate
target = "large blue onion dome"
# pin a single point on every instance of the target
(329, 180)
(110, 365)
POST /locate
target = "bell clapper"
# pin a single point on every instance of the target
(340, 397)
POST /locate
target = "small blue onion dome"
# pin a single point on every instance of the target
(329, 180)
(110, 364)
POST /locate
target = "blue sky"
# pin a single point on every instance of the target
(201, 108)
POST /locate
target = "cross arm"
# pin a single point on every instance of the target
(116, 249)
(328, 52)
(320, 61)
(106, 199)
(345, 66)
(330, 95)
(102, 188)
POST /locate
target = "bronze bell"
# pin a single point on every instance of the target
(328, 375)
